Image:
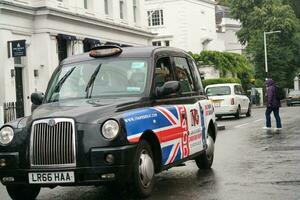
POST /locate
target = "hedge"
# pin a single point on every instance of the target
(220, 81)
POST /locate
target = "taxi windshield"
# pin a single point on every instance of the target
(122, 77)
(218, 91)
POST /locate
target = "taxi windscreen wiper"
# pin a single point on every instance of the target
(91, 82)
(62, 80)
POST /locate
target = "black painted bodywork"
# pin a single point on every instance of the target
(89, 115)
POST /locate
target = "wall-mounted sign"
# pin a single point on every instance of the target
(18, 48)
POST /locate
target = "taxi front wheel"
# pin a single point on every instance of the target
(205, 160)
(21, 192)
(143, 171)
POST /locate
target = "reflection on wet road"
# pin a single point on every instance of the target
(249, 164)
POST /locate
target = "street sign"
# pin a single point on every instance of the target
(18, 48)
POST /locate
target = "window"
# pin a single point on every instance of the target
(184, 75)
(196, 75)
(85, 4)
(156, 43)
(88, 4)
(122, 9)
(238, 90)
(135, 11)
(108, 7)
(218, 91)
(161, 43)
(116, 77)
(163, 72)
(155, 18)
(167, 43)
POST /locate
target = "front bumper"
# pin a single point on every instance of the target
(293, 101)
(90, 175)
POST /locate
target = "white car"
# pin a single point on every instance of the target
(229, 99)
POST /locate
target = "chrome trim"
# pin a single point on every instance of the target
(44, 133)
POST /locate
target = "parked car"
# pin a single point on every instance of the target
(113, 115)
(229, 99)
(293, 98)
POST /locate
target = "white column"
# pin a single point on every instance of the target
(296, 83)
(7, 86)
(44, 58)
(1, 116)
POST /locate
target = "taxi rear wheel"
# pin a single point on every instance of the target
(238, 113)
(248, 114)
(205, 160)
(143, 171)
(21, 192)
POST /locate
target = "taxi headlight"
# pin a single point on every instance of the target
(6, 135)
(110, 129)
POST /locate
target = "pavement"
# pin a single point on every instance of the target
(249, 164)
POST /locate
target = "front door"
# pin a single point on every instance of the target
(19, 92)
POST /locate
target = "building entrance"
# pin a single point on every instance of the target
(19, 92)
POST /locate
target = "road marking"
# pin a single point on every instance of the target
(241, 125)
(259, 120)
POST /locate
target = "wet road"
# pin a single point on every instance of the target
(249, 164)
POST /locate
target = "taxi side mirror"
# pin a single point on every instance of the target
(37, 98)
(168, 88)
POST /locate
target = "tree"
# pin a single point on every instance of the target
(295, 4)
(226, 63)
(258, 16)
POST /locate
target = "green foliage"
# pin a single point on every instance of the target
(220, 81)
(223, 2)
(259, 83)
(295, 4)
(226, 63)
(258, 16)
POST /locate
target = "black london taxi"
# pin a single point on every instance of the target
(113, 115)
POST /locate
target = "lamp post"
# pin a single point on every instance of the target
(266, 54)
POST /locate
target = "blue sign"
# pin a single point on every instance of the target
(18, 48)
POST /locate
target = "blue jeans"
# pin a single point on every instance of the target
(276, 115)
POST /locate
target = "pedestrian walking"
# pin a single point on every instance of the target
(273, 105)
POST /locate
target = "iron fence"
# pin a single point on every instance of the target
(9, 109)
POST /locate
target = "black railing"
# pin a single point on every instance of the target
(9, 109)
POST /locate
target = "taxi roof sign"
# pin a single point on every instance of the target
(105, 51)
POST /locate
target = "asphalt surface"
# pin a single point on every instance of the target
(250, 163)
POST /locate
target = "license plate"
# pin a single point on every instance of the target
(51, 177)
(217, 103)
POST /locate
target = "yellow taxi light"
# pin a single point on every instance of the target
(105, 52)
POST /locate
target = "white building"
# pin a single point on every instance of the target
(186, 24)
(55, 29)
(227, 29)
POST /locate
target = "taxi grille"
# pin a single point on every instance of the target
(53, 143)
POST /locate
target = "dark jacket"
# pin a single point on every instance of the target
(271, 90)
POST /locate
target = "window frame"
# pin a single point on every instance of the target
(196, 73)
(108, 8)
(85, 4)
(238, 90)
(158, 20)
(194, 90)
(153, 90)
(123, 10)
(156, 43)
(135, 6)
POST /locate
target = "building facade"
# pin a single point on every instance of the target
(186, 24)
(35, 35)
(227, 29)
